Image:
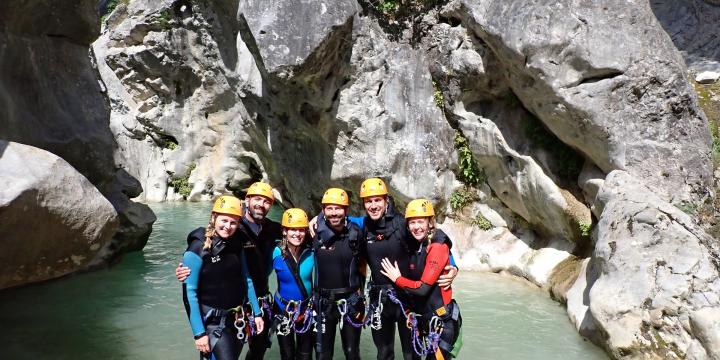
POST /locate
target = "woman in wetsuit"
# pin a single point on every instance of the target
(439, 319)
(219, 284)
(340, 275)
(293, 263)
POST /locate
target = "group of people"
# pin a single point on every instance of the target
(322, 284)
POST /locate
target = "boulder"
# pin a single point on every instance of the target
(53, 221)
(657, 271)
(707, 77)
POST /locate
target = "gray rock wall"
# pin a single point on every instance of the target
(52, 98)
(692, 25)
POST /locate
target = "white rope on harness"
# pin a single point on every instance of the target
(376, 322)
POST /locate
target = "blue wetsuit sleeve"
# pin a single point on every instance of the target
(357, 220)
(252, 297)
(452, 260)
(194, 262)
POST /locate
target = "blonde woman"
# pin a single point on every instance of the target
(439, 318)
(214, 293)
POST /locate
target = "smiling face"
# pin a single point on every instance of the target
(225, 225)
(419, 227)
(375, 206)
(295, 236)
(335, 215)
(258, 207)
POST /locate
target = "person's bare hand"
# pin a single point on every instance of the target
(182, 272)
(392, 271)
(203, 344)
(445, 281)
(312, 226)
(259, 324)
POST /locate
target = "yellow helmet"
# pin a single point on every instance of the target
(229, 205)
(335, 196)
(294, 218)
(419, 208)
(373, 187)
(261, 188)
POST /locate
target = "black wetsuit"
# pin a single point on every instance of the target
(219, 281)
(427, 298)
(339, 278)
(388, 238)
(258, 243)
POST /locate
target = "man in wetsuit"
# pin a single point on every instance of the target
(339, 278)
(386, 236)
(258, 235)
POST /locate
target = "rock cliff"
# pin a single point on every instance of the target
(52, 99)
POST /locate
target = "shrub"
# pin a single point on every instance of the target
(181, 184)
(481, 222)
(470, 172)
(584, 228)
(461, 198)
(438, 97)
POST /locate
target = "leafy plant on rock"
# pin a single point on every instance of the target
(181, 184)
(462, 198)
(470, 172)
(481, 222)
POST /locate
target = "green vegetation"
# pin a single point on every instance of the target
(712, 111)
(569, 161)
(461, 198)
(470, 172)
(181, 184)
(387, 7)
(481, 222)
(585, 228)
(438, 97)
(402, 8)
(164, 18)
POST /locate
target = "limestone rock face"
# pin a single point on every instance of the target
(392, 126)
(616, 97)
(53, 221)
(662, 272)
(52, 99)
(692, 25)
(175, 111)
(342, 104)
(287, 33)
(49, 89)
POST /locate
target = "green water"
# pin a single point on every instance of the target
(134, 310)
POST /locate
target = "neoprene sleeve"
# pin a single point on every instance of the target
(194, 262)
(252, 297)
